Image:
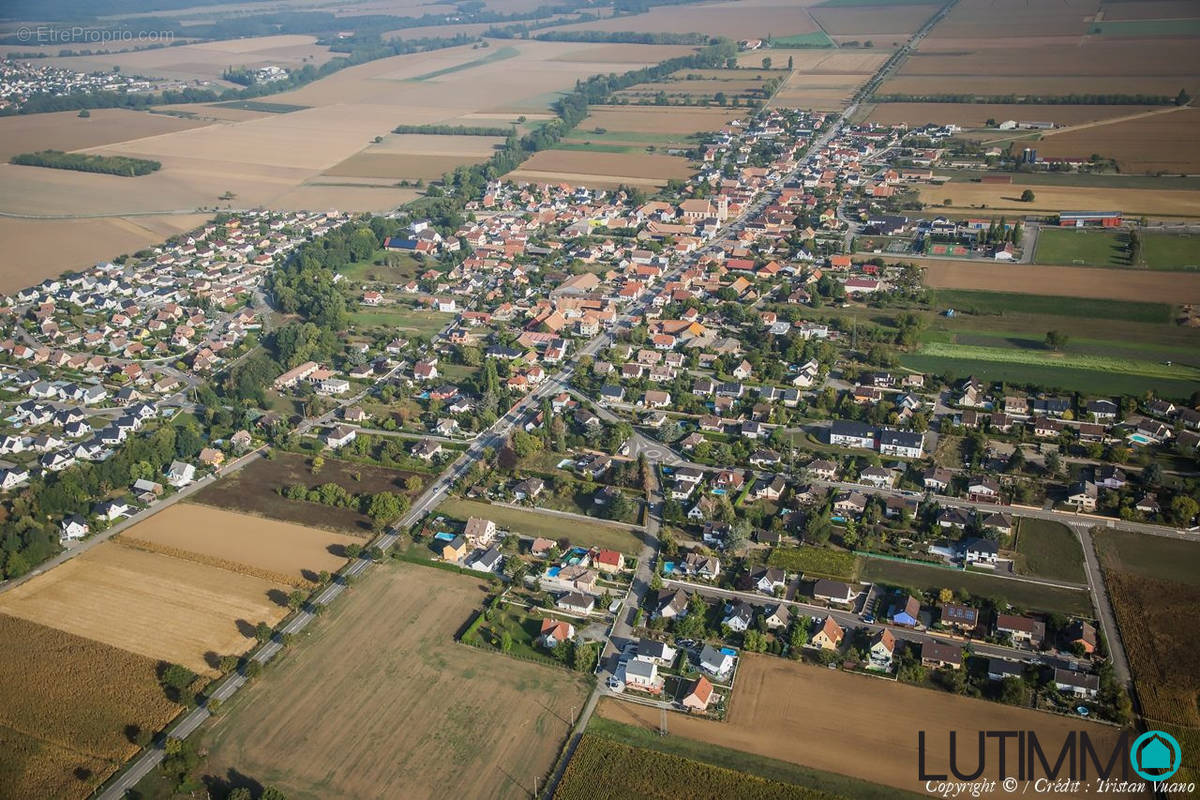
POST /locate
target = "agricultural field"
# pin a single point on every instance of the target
(588, 168)
(656, 121)
(156, 606)
(70, 710)
(833, 61)
(827, 719)
(1152, 583)
(819, 92)
(999, 198)
(532, 523)
(66, 130)
(254, 490)
(1111, 249)
(772, 769)
(280, 552)
(750, 19)
(78, 242)
(1148, 144)
(1048, 550)
(603, 769)
(975, 115)
(1031, 596)
(414, 156)
(818, 561)
(887, 21)
(417, 718)
(1148, 286)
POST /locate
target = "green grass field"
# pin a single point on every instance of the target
(1088, 381)
(1049, 550)
(762, 766)
(1108, 249)
(803, 40)
(817, 561)
(496, 55)
(409, 320)
(1039, 356)
(978, 302)
(590, 146)
(396, 267)
(1145, 27)
(1032, 596)
(533, 523)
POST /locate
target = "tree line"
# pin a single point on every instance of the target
(453, 130)
(81, 162)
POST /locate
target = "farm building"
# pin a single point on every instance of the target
(1080, 219)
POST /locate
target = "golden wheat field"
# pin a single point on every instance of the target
(154, 605)
(70, 709)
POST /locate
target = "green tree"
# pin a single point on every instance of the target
(766, 62)
(386, 508)
(1056, 340)
(262, 631)
(1184, 509)
(295, 599)
(1027, 196)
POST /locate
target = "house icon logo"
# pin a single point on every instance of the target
(1155, 756)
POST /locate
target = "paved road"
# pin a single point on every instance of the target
(1108, 621)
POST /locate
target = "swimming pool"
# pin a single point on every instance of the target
(729, 651)
(445, 537)
(718, 491)
(837, 519)
(668, 567)
(553, 572)
(1139, 438)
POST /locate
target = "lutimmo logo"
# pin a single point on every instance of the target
(1155, 756)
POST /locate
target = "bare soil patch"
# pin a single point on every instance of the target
(829, 719)
(750, 19)
(150, 604)
(1150, 286)
(601, 169)
(417, 715)
(975, 115)
(884, 19)
(647, 119)
(66, 130)
(1159, 143)
(967, 196)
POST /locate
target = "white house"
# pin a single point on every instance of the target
(715, 662)
(73, 528)
(180, 474)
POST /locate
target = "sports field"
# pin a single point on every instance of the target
(1111, 249)
(827, 719)
(380, 701)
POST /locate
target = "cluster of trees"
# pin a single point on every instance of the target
(383, 508)
(81, 162)
(27, 534)
(1036, 100)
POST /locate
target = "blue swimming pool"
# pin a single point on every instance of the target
(718, 491)
(553, 572)
(729, 651)
(1138, 438)
(838, 519)
(668, 567)
(445, 537)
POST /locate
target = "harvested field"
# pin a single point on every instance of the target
(275, 551)
(819, 92)
(974, 115)
(1006, 197)
(66, 709)
(1151, 59)
(648, 119)
(1150, 9)
(601, 169)
(77, 242)
(751, 19)
(417, 716)
(816, 61)
(1158, 143)
(205, 60)
(254, 490)
(990, 85)
(982, 19)
(334, 194)
(865, 22)
(1150, 286)
(827, 719)
(394, 166)
(66, 130)
(150, 604)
